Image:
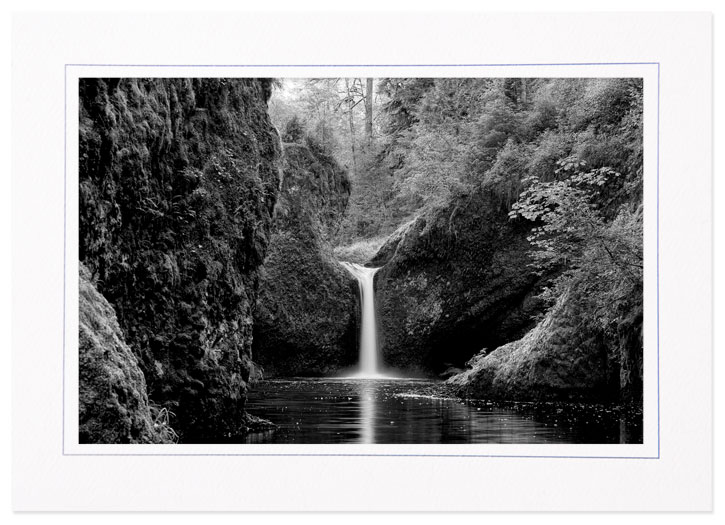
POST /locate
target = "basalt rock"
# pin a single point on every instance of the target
(565, 357)
(306, 320)
(455, 280)
(178, 180)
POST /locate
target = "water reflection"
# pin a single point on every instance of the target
(367, 412)
(411, 411)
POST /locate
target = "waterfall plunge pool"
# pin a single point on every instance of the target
(369, 407)
(349, 410)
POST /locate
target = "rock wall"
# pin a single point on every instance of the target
(306, 320)
(113, 402)
(454, 281)
(565, 357)
(178, 180)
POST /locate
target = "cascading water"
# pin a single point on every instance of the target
(368, 331)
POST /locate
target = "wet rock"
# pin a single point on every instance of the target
(565, 357)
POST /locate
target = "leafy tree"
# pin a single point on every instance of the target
(603, 260)
(565, 210)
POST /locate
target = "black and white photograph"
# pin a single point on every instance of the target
(360, 260)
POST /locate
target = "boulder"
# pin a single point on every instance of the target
(566, 356)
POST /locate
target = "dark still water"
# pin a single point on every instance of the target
(418, 411)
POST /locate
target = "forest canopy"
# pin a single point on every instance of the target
(411, 144)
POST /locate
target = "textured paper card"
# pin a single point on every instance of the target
(413, 444)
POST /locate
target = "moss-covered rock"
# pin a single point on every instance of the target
(178, 180)
(113, 402)
(565, 357)
(306, 317)
(454, 281)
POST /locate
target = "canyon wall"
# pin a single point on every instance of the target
(178, 181)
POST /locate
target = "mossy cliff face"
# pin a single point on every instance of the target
(454, 281)
(458, 284)
(114, 405)
(565, 357)
(307, 310)
(178, 180)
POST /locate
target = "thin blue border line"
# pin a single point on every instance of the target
(658, 261)
(65, 229)
(378, 455)
(65, 203)
(370, 65)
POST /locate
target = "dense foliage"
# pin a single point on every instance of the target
(573, 233)
(437, 138)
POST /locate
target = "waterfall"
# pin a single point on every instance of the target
(368, 331)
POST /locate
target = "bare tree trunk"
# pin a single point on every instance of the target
(324, 124)
(369, 111)
(524, 91)
(351, 120)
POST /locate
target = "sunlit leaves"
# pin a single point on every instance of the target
(602, 259)
(564, 211)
